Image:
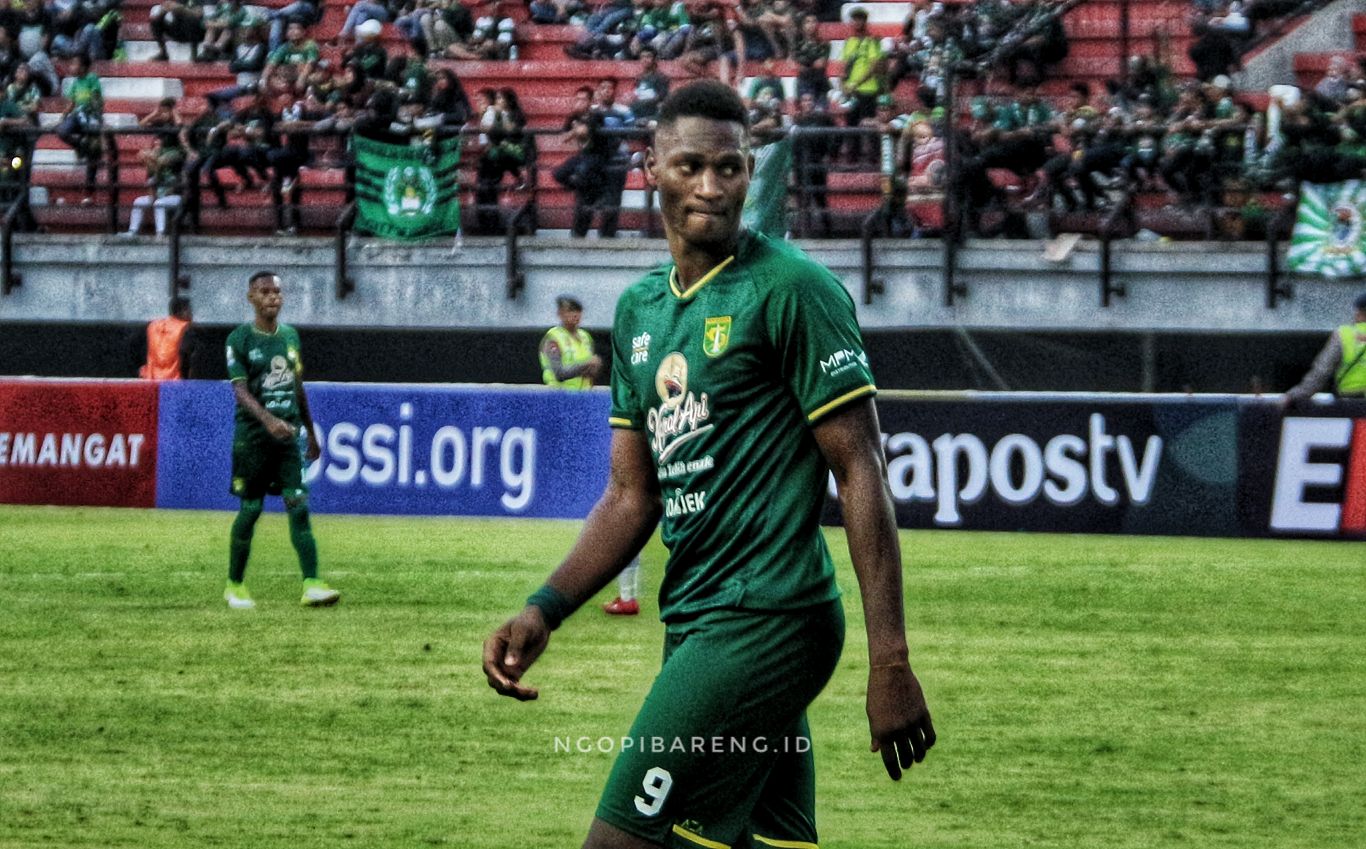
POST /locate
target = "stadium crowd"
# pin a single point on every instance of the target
(293, 102)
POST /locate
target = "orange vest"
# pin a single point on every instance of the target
(163, 348)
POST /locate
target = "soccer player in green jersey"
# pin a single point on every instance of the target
(739, 382)
(268, 441)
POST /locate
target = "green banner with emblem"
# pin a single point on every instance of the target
(407, 192)
(1329, 238)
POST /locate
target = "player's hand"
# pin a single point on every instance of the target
(593, 367)
(510, 650)
(280, 429)
(898, 717)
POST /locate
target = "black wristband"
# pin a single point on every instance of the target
(554, 606)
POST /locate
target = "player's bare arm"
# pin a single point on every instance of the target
(898, 718)
(274, 425)
(617, 528)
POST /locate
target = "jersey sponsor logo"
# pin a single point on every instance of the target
(280, 375)
(716, 335)
(685, 503)
(1320, 477)
(681, 415)
(640, 349)
(842, 361)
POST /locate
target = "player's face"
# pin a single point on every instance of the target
(701, 167)
(570, 318)
(266, 298)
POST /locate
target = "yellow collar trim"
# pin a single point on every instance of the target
(704, 280)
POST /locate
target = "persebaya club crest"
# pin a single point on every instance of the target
(716, 335)
(409, 191)
(1329, 238)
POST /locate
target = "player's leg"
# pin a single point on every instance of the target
(785, 814)
(628, 587)
(239, 550)
(710, 730)
(604, 835)
(295, 493)
(249, 487)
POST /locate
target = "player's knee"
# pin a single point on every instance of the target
(251, 508)
(297, 506)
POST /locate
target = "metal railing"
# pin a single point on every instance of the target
(866, 208)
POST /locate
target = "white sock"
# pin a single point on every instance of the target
(628, 581)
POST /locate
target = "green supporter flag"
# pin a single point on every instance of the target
(766, 204)
(1329, 238)
(407, 192)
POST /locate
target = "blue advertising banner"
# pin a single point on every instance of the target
(414, 450)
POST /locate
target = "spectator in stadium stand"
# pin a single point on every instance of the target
(863, 80)
(664, 27)
(710, 682)
(1335, 83)
(168, 121)
(778, 20)
(923, 158)
(751, 42)
(553, 11)
(44, 73)
(430, 26)
(296, 57)
(1218, 44)
(368, 56)
(652, 86)
(181, 21)
(165, 164)
(9, 54)
(1341, 364)
(586, 174)
(81, 125)
(248, 62)
(165, 349)
(224, 28)
(505, 154)
(78, 27)
(16, 150)
(492, 39)
(811, 152)
(23, 91)
(448, 100)
(1046, 45)
(302, 12)
(362, 11)
(412, 76)
(707, 40)
(812, 55)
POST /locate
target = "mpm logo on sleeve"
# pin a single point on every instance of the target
(1321, 477)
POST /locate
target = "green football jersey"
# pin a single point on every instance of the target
(271, 365)
(726, 380)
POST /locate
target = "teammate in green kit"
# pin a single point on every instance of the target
(268, 440)
(739, 381)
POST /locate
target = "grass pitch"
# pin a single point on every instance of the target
(1088, 691)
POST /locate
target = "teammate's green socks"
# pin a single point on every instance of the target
(301, 535)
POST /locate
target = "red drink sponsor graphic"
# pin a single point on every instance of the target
(88, 443)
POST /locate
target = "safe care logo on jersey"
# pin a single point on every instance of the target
(716, 335)
(681, 414)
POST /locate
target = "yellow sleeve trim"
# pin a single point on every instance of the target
(698, 839)
(785, 844)
(843, 399)
(616, 422)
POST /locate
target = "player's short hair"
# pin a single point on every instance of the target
(568, 302)
(179, 305)
(704, 99)
(260, 275)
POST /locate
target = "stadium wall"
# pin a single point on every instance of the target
(1180, 286)
(1205, 466)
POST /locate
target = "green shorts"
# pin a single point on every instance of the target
(263, 465)
(720, 752)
